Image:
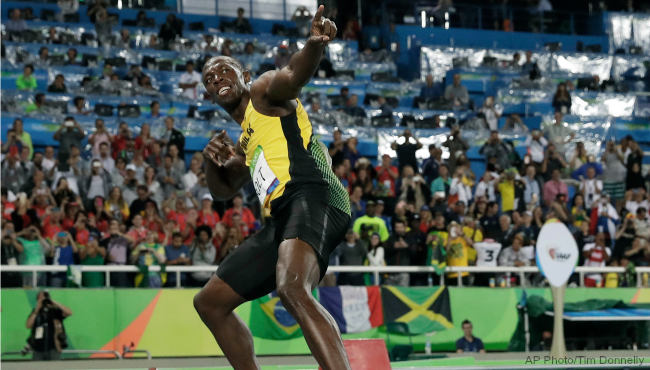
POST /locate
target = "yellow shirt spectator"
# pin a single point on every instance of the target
(507, 191)
(458, 254)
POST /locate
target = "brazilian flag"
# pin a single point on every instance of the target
(423, 309)
(270, 320)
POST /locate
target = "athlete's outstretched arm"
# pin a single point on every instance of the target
(225, 167)
(286, 83)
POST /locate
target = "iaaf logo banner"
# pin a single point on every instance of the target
(553, 251)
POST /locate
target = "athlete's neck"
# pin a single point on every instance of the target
(237, 112)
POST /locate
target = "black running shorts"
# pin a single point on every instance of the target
(250, 269)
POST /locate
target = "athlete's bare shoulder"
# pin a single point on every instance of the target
(264, 103)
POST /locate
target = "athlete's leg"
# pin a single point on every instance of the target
(216, 303)
(247, 273)
(298, 274)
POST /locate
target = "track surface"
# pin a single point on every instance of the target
(490, 361)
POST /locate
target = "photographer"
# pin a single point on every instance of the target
(48, 336)
(406, 146)
(552, 161)
(11, 251)
(455, 143)
(494, 147)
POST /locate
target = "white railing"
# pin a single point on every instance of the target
(521, 271)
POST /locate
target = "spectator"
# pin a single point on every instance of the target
(104, 26)
(190, 81)
(456, 144)
(283, 57)
(96, 7)
(486, 187)
(357, 205)
(459, 188)
(92, 255)
(398, 249)
(69, 134)
(351, 252)
(429, 90)
(458, 248)
(516, 255)
(554, 188)
(532, 193)
(63, 254)
(48, 313)
(553, 160)
(507, 190)
(386, 176)
(302, 17)
(579, 157)
(251, 60)
(372, 223)
(443, 182)
(562, 99)
(469, 343)
(233, 239)
(352, 109)
(97, 183)
(614, 173)
(13, 174)
(117, 246)
(147, 254)
(344, 92)
(79, 106)
(558, 132)
(123, 41)
(536, 144)
(11, 250)
(375, 254)
(99, 137)
(67, 7)
(154, 108)
(241, 24)
(108, 163)
(58, 86)
(337, 148)
(530, 68)
(325, 68)
(590, 188)
(23, 136)
(456, 95)
(63, 194)
(596, 255)
(238, 208)
(134, 75)
(169, 178)
(155, 159)
(406, 149)
(203, 253)
(491, 113)
(366, 183)
(495, 148)
(128, 152)
(191, 178)
(176, 254)
(490, 225)
(175, 137)
(200, 190)
(177, 163)
(16, 24)
(37, 105)
(72, 57)
(431, 165)
(514, 123)
(351, 31)
(26, 82)
(634, 179)
(169, 30)
(34, 249)
(139, 205)
(116, 206)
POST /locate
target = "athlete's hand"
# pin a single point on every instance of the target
(219, 149)
(323, 30)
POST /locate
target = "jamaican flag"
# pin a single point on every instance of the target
(424, 309)
(270, 320)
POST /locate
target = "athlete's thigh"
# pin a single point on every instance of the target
(250, 269)
(297, 264)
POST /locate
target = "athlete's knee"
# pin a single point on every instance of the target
(293, 294)
(216, 298)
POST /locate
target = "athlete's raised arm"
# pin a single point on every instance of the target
(286, 83)
(225, 167)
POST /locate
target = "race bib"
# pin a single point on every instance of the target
(38, 333)
(264, 180)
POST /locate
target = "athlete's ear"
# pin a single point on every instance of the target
(247, 77)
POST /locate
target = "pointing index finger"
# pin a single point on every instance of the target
(318, 15)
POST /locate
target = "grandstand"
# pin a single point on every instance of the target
(435, 114)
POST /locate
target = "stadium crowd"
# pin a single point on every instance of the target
(135, 202)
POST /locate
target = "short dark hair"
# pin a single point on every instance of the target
(154, 102)
(189, 62)
(103, 143)
(240, 10)
(177, 235)
(169, 156)
(59, 75)
(492, 204)
(40, 96)
(142, 187)
(466, 322)
(398, 221)
(29, 66)
(77, 98)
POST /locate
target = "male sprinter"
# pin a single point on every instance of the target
(292, 176)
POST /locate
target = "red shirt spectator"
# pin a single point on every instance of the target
(208, 216)
(386, 175)
(138, 232)
(247, 216)
(119, 143)
(52, 224)
(144, 141)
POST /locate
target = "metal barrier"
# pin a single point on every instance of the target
(375, 270)
(76, 351)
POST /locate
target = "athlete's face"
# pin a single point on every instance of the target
(224, 81)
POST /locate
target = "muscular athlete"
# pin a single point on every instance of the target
(292, 176)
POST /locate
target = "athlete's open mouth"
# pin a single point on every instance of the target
(224, 90)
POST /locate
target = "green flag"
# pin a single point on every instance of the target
(270, 320)
(74, 276)
(424, 309)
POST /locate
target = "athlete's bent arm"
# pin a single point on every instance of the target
(287, 83)
(225, 179)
